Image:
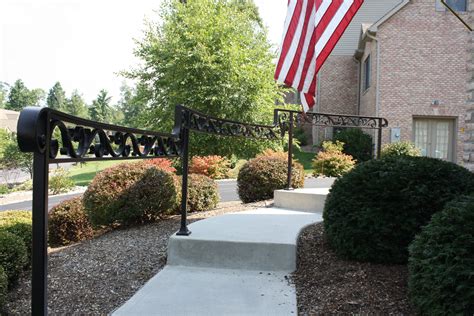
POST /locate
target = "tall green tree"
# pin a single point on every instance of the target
(56, 97)
(132, 105)
(213, 56)
(100, 109)
(76, 106)
(20, 96)
(3, 94)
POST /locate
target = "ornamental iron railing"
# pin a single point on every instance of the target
(81, 140)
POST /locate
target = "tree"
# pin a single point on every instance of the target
(3, 94)
(20, 96)
(132, 105)
(212, 56)
(56, 98)
(100, 110)
(76, 105)
(10, 155)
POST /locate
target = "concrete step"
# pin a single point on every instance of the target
(203, 291)
(306, 200)
(260, 240)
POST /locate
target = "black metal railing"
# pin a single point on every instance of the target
(82, 140)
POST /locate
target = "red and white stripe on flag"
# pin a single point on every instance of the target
(312, 30)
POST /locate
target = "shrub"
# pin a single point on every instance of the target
(60, 182)
(356, 143)
(272, 153)
(234, 172)
(300, 134)
(400, 149)
(331, 161)
(129, 193)
(441, 263)
(25, 186)
(13, 255)
(161, 163)
(215, 167)
(68, 223)
(4, 189)
(3, 287)
(260, 176)
(203, 194)
(374, 212)
(18, 223)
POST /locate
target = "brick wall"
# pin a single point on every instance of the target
(423, 56)
(469, 133)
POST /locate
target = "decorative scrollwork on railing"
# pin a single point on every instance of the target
(335, 120)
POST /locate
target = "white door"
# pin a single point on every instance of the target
(435, 137)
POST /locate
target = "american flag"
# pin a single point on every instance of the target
(312, 29)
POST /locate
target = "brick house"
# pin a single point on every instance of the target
(410, 62)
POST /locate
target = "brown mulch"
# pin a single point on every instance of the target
(326, 284)
(97, 276)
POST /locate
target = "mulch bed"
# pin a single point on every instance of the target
(326, 284)
(97, 276)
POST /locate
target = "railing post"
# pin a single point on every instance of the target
(290, 151)
(183, 230)
(379, 139)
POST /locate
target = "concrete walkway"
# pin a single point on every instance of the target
(234, 264)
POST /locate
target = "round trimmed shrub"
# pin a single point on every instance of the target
(130, 193)
(18, 223)
(3, 287)
(203, 194)
(373, 212)
(260, 176)
(13, 255)
(441, 263)
(356, 143)
(68, 223)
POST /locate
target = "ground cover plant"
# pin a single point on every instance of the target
(441, 264)
(374, 212)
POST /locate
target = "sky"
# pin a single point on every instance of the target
(83, 44)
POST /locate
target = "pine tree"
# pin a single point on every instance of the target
(56, 98)
(100, 109)
(20, 97)
(76, 105)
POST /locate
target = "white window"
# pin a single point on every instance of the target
(456, 5)
(435, 137)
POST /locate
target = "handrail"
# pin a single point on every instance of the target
(85, 140)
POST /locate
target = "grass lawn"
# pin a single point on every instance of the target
(305, 159)
(82, 175)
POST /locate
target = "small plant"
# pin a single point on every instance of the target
(161, 163)
(25, 186)
(331, 161)
(203, 194)
(375, 211)
(18, 223)
(400, 149)
(3, 286)
(60, 182)
(13, 255)
(68, 223)
(215, 167)
(441, 263)
(261, 176)
(356, 143)
(4, 189)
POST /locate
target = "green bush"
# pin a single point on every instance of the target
(374, 212)
(68, 223)
(130, 193)
(331, 161)
(260, 176)
(60, 182)
(234, 172)
(356, 143)
(3, 287)
(203, 194)
(400, 149)
(4, 189)
(441, 263)
(25, 186)
(18, 223)
(300, 134)
(13, 255)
